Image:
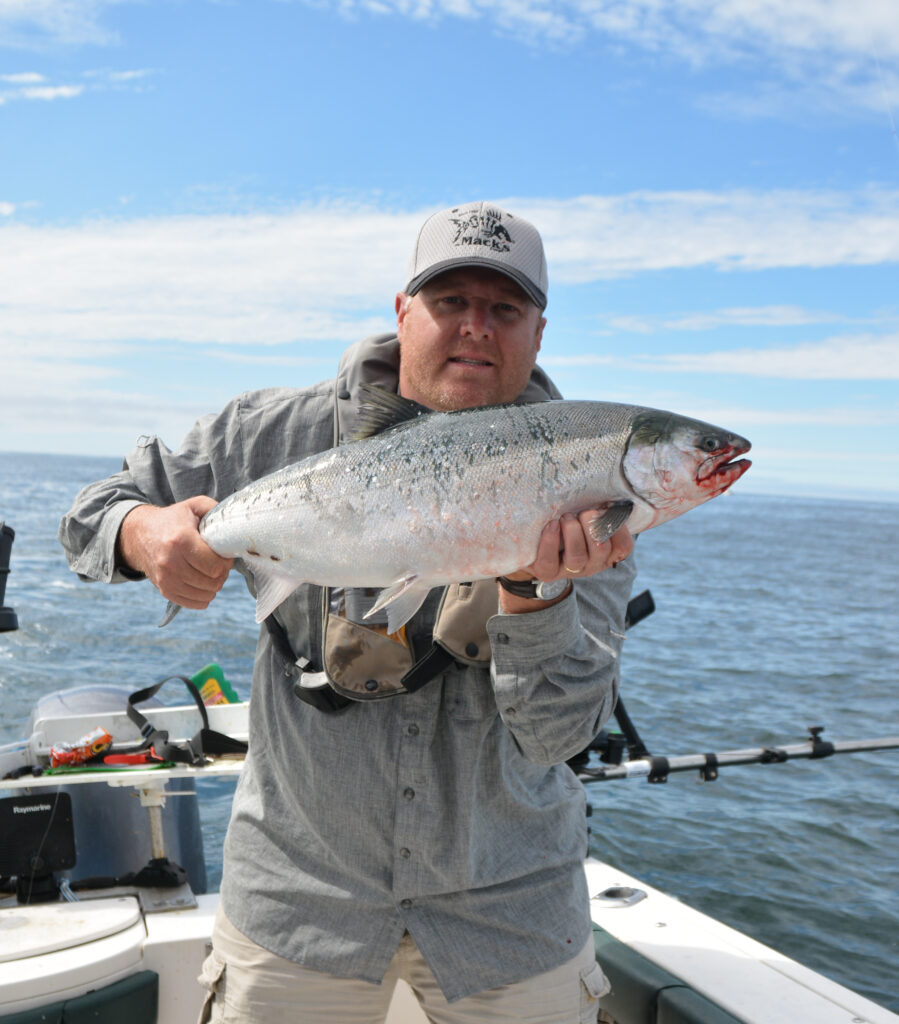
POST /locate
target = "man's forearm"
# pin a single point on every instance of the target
(128, 549)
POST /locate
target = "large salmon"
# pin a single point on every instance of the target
(430, 498)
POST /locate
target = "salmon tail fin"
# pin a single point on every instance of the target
(171, 610)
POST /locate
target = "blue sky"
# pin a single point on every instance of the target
(198, 197)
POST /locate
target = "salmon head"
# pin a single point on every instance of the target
(674, 463)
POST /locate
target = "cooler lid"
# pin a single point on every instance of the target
(48, 927)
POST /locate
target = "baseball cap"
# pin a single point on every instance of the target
(480, 234)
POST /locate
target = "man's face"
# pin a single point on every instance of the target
(469, 337)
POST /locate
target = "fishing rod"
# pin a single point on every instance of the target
(657, 769)
(640, 763)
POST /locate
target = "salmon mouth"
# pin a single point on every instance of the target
(720, 472)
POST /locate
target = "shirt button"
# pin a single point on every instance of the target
(408, 792)
(406, 904)
(412, 730)
(509, 711)
(405, 853)
(502, 638)
(471, 650)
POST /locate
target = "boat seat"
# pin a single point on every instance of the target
(644, 993)
(134, 999)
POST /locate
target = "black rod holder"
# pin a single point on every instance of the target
(8, 620)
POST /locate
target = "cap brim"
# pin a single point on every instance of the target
(534, 293)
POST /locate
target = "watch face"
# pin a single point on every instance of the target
(549, 591)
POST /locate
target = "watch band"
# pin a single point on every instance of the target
(535, 590)
(520, 588)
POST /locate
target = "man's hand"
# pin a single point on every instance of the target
(566, 550)
(165, 545)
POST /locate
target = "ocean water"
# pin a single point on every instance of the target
(773, 614)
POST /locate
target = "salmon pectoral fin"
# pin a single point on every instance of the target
(615, 516)
(401, 600)
(272, 587)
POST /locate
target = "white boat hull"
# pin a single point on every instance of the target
(657, 952)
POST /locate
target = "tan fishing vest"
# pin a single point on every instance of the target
(363, 662)
(360, 661)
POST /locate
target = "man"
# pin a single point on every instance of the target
(436, 835)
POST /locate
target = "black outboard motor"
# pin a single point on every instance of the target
(8, 620)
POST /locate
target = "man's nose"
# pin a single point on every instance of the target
(478, 321)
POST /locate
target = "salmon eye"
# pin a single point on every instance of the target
(710, 443)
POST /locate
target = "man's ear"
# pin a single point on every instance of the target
(539, 336)
(401, 308)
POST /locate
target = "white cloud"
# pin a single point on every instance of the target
(324, 356)
(48, 92)
(128, 76)
(99, 77)
(7, 209)
(23, 78)
(33, 86)
(756, 420)
(306, 274)
(605, 236)
(33, 23)
(696, 30)
(806, 52)
(824, 54)
(751, 316)
(317, 271)
(828, 416)
(849, 357)
(863, 357)
(699, 30)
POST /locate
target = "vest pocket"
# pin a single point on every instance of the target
(363, 662)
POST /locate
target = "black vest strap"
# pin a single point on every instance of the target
(426, 668)
(321, 697)
(326, 699)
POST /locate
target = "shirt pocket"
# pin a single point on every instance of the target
(594, 985)
(212, 978)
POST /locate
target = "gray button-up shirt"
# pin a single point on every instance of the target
(448, 812)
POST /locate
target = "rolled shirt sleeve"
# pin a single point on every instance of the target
(151, 475)
(254, 434)
(555, 671)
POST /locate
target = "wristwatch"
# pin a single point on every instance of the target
(535, 589)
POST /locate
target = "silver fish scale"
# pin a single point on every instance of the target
(446, 497)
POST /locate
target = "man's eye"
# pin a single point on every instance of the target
(506, 309)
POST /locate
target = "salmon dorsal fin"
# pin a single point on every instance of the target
(380, 410)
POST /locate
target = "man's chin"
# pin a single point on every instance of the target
(451, 399)
(454, 390)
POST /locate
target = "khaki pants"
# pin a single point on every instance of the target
(248, 985)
